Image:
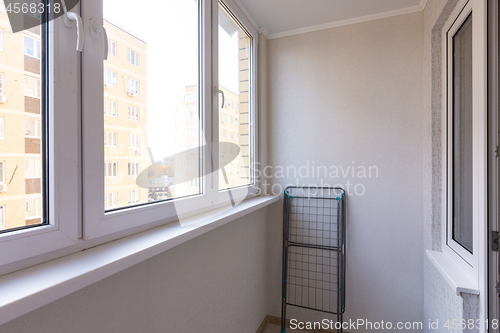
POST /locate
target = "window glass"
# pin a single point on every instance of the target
(22, 116)
(109, 78)
(32, 86)
(133, 113)
(1, 84)
(32, 47)
(32, 127)
(32, 168)
(462, 136)
(2, 217)
(133, 57)
(160, 94)
(110, 108)
(112, 47)
(235, 80)
(2, 128)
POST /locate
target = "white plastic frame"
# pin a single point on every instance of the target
(241, 192)
(64, 202)
(97, 223)
(474, 265)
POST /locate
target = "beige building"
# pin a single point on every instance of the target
(20, 130)
(125, 117)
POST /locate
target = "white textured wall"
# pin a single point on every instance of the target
(354, 93)
(212, 284)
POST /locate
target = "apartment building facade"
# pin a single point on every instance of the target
(125, 117)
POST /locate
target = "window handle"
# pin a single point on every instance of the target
(95, 30)
(223, 97)
(68, 17)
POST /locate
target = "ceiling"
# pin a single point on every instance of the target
(288, 17)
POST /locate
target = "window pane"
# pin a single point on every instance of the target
(462, 135)
(154, 68)
(235, 80)
(21, 128)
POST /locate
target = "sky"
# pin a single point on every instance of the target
(170, 30)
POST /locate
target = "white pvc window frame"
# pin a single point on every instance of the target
(36, 86)
(2, 216)
(2, 172)
(133, 57)
(2, 128)
(473, 265)
(98, 223)
(62, 230)
(133, 85)
(112, 47)
(36, 48)
(2, 84)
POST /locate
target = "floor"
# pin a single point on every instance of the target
(271, 328)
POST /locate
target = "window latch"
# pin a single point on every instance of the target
(496, 151)
(68, 18)
(95, 30)
(494, 241)
(218, 91)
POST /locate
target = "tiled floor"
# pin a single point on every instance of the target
(271, 328)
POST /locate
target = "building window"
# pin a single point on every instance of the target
(223, 118)
(231, 135)
(32, 168)
(110, 108)
(133, 86)
(133, 58)
(2, 128)
(133, 169)
(32, 127)
(2, 172)
(190, 98)
(462, 137)
(110, 139)
(133, 197)
(111, 200)
(133, 113)
(32, 47)
(32, 87)
(110, 169)
(33, 208)
(134, 141)
(109, 78)
(2, 92)
(112, 47)
(2, 217)
(231, 120)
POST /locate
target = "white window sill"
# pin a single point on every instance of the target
(452, 274)
(28, 289)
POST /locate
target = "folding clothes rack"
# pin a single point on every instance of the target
(314, 251)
